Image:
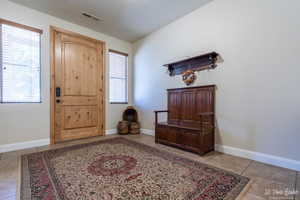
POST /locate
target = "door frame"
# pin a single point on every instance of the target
(53, 30)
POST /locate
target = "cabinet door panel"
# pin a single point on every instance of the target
(166, 133)
(172, 134)
(189, 138)
(160, 132)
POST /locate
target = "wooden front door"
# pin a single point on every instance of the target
(77, 85)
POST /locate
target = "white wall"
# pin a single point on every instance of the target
(258, 99)
(26, 122)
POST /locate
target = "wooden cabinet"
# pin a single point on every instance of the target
(191, 118)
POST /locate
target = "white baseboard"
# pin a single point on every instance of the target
(252, 155)
(111, 132)
(148, 132)
(23, 145)
(35, 143)
(260, 157)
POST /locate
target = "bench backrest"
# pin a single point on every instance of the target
(191, 106)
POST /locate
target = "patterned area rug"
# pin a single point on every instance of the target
(120, 169)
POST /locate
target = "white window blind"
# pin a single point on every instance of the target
(20, 65)
(118, 77)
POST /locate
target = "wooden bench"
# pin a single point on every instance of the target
(191, 119)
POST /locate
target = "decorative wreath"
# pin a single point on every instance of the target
(189, 77)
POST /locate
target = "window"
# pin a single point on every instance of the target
(118, 77)
(19, 63)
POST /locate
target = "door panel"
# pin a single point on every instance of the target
(79, 100)
(80, 116)
(78, 133)
(78, 72)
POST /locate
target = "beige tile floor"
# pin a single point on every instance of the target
(267, 182)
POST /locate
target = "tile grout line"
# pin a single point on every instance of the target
(251, 161)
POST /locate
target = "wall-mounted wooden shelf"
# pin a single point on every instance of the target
(197, 63)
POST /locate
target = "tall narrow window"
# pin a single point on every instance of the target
(20, 63)
(118, 86)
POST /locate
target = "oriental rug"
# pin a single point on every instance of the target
(121, 169)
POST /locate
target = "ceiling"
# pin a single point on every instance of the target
(128, 20)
